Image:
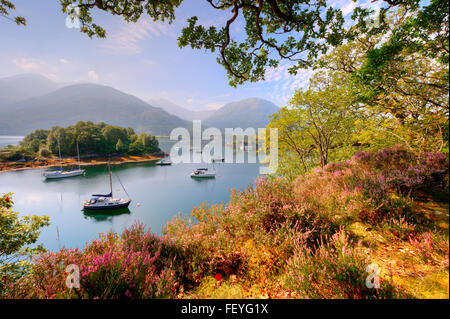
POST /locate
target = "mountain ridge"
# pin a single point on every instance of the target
(86, 102)
(251, 112)
(180, 111)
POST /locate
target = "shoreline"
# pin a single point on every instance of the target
(53, 162)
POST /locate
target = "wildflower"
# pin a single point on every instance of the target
(218, 277)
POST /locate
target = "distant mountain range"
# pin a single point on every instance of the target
(29, 102)
(253, 112)
(180, 111)
(24, 86)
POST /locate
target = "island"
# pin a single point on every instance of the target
(96, 144)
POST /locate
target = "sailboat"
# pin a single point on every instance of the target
(107, 201)
(60, 173)
(204, 172)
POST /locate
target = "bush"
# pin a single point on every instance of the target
(45, 152)
(137, 264)
(273, 228)
(336, 269)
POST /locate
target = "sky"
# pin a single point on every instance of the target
(140, 58)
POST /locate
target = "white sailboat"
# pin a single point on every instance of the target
(104, 202)
(60, 173)
(205, 172)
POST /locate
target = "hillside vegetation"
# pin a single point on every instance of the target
(312, 238)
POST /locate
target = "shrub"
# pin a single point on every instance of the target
(336, 269)
(45, 152)
(137, 264)
(17, 234)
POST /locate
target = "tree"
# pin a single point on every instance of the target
(136, 148)
(292, 30)
(112, 135)
(16, 234)
(120, 148)
(35, 140)
(318, 122)
(6, 7)
(404, 96)
(149, 142)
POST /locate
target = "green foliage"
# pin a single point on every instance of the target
(99, 139)
(15, 154)
(367, 94)
(318, 122)
(6, 7)
(16, 236)
(274, 30)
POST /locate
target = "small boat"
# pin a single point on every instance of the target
(163, 162)
(203, 173)
(218, 159)
(60, 173)
(107, 201)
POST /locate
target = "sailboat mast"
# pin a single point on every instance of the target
(59, 151)
(110, 178)
(78, 153)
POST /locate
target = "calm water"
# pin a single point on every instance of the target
(158, 193)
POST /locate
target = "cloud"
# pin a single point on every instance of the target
(349, 7)
(63, 61)
(283, 84)
(92, 75)
(26, 64)
(276, 74)
(127, 40)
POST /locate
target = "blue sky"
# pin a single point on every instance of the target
(141, 59)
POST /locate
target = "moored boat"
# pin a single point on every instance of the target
(163, 162)
(107, 201)
(60, 173)
(203, 173)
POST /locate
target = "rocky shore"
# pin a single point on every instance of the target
(52, 162)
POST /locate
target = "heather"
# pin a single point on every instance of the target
(310, 238)
(136, 264)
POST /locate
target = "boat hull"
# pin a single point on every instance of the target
(203, 176)
(64, 175)
(107, 207)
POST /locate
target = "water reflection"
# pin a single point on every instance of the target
(105, 215)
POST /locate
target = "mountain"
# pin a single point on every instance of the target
(24, 86)
(180, 111)
(86, 102)
(252, 112)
